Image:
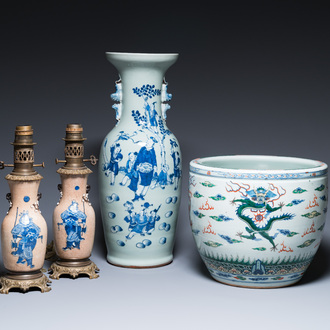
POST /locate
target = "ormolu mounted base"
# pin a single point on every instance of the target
(24, 281)
(73, 268)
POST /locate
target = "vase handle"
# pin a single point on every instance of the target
(117, 97)
(165, 97)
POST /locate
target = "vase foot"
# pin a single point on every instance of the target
(255, 286)
(73, 268)
(126, 264)
(24, 282)
(141, 267)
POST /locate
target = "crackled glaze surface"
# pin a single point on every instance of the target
(74, 219)
(23, 230)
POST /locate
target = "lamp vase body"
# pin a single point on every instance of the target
(24, 230)
(74, 219)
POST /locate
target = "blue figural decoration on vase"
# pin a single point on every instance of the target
(25, 235)
(73, 227)
(140, 165)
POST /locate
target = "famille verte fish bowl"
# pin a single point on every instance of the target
(257, 220)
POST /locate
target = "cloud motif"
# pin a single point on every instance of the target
(170, 200)
(287, 232)
(299, 190)
(207, 184)
(143, 244)
(113, 198)
(162, 240)
(311, 215)
(320, 188)
(168, 214)
(197, 194)
(164, 226)
(220, 218)
(198, 214)
(111, 215)
(295, 202)
(307, 243)
(218, 197)
(116, 229)
(229, 240)
(259, 249)
(212, 243)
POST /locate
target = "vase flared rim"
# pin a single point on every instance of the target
(258, 167)
(119, 57)
(141, 54)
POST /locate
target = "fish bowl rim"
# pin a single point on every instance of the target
(308, 168)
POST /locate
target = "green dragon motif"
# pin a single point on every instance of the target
(257, 202)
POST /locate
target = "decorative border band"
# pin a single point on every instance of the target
(23, 177)
(257, 176)
(312, 172)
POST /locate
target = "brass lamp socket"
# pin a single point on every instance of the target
(24, 152)
(74, 151)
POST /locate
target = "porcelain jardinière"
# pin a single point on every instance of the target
(257, 220)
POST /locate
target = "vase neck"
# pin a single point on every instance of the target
(141, 96)
(74, 186)
(141, 83)
(24, 191)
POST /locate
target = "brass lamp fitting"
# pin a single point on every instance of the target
(23, 156)
(74, 152)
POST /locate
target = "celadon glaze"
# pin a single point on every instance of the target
(24, 229)
(257, 220)
(140, 165)
(74, 219)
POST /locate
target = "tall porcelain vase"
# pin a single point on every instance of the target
(140, 165)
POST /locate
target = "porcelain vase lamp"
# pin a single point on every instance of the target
(24, 230)
(74, 216)
(140, 165)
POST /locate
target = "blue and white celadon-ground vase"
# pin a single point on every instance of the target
(257, 220)
(140, 165)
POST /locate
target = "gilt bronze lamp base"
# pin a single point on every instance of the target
(73, 268)
(24, 282)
